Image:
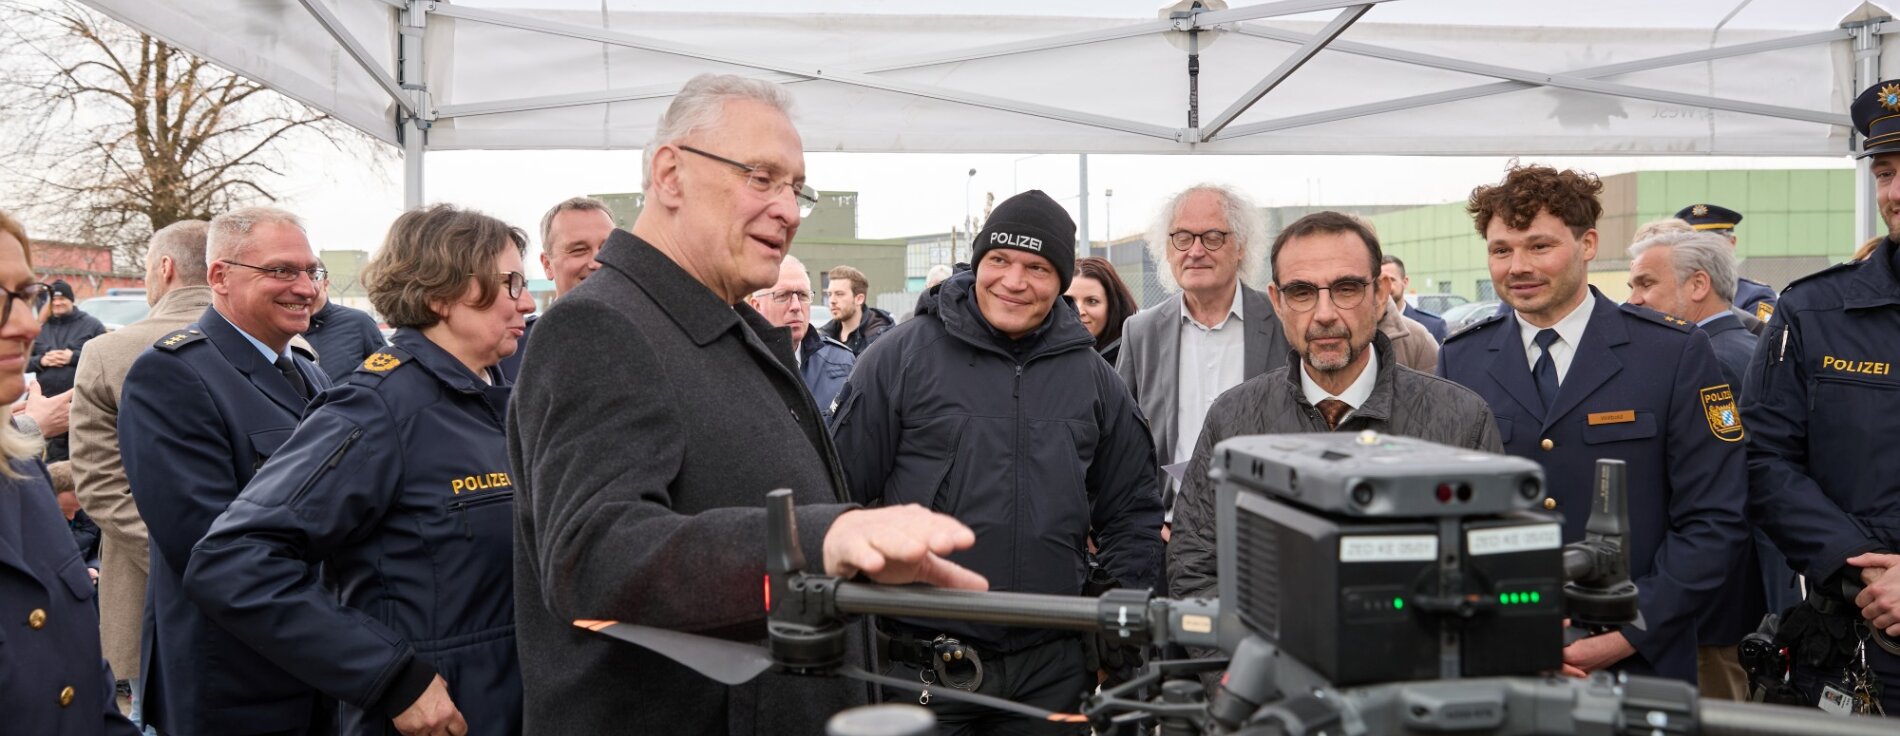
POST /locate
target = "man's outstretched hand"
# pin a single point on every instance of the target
(898, 545)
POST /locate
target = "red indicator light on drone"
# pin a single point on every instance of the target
(768, 594)
(1444, 493)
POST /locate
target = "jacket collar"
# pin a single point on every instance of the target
(1377, 406)
(1723, 322)
(954, 304)
(698, 312)
(242, 355)
(184, 301)
(1874, 284)
(1593, 365)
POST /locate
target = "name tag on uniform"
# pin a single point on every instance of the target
(1613, 417)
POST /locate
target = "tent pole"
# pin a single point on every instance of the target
(414, 130)
(1866, 74)
(1082, 251)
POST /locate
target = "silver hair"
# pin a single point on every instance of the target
(938, 273)
(184, 242)
(701, 104)
(1243, 218)
(1697, 251)
(230, 234)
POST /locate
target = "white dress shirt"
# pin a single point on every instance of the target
(1355, 395)
(1212, 360)
(1569, 335)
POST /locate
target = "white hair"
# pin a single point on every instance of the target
(1248, 226)
(1697, 251)
(230, 234)
(701, 104)
(937, 274)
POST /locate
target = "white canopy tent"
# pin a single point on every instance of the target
(1401, 77)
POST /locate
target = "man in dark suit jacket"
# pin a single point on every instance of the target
(1573, 378)
(200, 413)
(1211, 237)
(1688, 276)
(654, 412)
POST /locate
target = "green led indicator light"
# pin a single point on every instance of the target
(1398, 604)
(1534, 596)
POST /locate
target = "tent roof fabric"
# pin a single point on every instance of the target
(1406, 77)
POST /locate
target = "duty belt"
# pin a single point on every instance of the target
(952, 662)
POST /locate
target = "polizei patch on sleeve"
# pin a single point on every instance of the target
(1725, 420)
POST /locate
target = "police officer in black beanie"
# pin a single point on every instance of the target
(55, 358)
(992, 405)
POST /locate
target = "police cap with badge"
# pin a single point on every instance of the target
(1876, 114)
(1705, 217)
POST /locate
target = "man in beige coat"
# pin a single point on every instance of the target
(1412, 342)
(176, 287)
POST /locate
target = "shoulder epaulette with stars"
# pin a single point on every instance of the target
(179, 338)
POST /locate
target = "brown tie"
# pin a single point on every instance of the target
(1333, 410)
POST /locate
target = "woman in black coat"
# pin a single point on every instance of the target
(1103, 302)
(53, 681)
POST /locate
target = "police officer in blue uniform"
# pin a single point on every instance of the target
(1823, 406)
(398, 484)
(1573, 377)
(202, 411)
(53, 679)
(1751, 296)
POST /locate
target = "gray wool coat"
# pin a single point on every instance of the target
(1403, 402)
(649, 421)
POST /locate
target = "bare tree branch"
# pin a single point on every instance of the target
(116, 134)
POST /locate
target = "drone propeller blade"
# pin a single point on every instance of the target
(728, 662)
(951, 693)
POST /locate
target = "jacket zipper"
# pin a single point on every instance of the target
(329, 464)
(468, 529)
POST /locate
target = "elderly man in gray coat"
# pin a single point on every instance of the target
(1341, 376)
(654, 412)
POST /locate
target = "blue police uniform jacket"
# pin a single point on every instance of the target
(1433, 323)
(53, 680)
(1751, 295)
(1823, 405)
(1644, 389)
(202, 410)
(398, 484)
(1739, 606)
(824, 364)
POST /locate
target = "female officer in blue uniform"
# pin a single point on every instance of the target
(53, 681)
(398, 483)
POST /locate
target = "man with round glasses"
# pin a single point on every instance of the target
(1179, 355)
(823, 362)
(1342, 375)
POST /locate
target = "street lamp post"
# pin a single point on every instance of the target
(969, 233)
(1108, 214)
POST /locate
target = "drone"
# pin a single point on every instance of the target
(1369, 584)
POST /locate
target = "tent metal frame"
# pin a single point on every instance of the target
(408, 88)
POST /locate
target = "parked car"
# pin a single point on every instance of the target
(1464, 315)
(116, 311)
(1439, 304)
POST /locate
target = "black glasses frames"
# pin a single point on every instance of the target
(284, 273)
(34, 295)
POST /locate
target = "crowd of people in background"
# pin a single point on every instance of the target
(297, 526)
